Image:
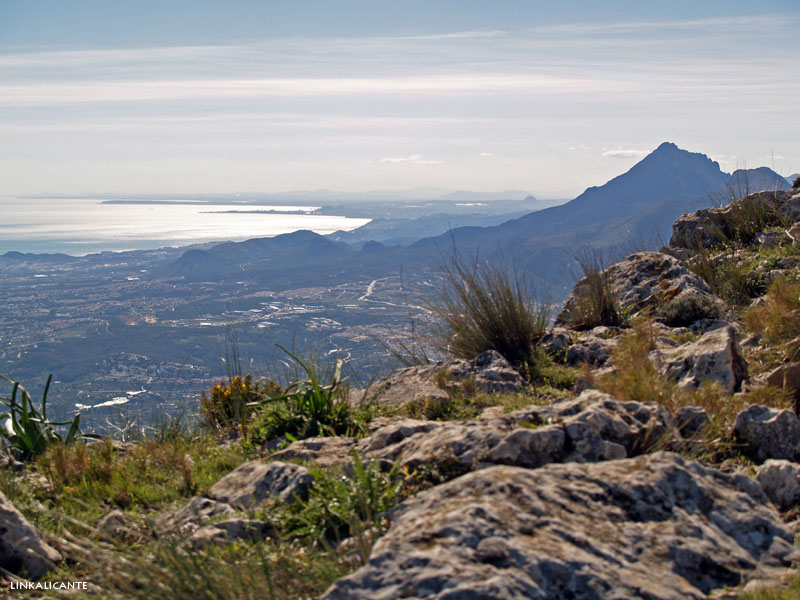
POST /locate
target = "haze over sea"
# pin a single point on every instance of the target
(80, 226)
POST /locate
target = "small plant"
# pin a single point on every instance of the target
(487, 307)
(30, 431)
(594, 301)
(745, 218)
(636, 379)
(351, 504)
(307, 408)
(796, 183)
(686, 309)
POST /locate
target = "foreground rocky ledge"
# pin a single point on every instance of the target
(655, 527)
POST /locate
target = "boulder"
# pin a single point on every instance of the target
(691, 421)
(489, 372)
(21, 550)
(781, 482)
(787, 377)
(323, 451)
(556, 341)
(644, 280)
(593, 347)
(716, 356)
(768, 433)
(656, 527)
(251, 483)
(410, 385)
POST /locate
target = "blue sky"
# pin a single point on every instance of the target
(268, 96)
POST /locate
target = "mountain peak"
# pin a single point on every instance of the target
(666, 147)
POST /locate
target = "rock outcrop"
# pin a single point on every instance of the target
(655, 527)
(644, 280)
(22, 552)
(768, 433)
(711, 226)
(716, 356)
(781, 482)
(488, 372)
(592, 427)
(253, 482)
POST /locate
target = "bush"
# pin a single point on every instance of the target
(228, 404)
(487, 307)
(594, 301)
(796, 183)
(307, 408)
(685, 310)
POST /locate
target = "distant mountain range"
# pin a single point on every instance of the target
(632, 211)
(635, 209)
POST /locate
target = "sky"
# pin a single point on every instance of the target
(266, 96)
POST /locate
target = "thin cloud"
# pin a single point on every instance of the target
(128, 91)
(488, 154)
(625, 153)
(414, 159)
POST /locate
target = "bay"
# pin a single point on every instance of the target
(80, 226)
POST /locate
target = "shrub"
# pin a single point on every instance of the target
(686, 309)
(228, 404)
(307, 408)
(30, 431)
(594, 301)
(487, 307)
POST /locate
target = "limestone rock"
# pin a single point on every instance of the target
(193, 514)
(231, 530)
(691, 421)
(593, 347)
(253, 482)
(644, 280)
(556, 341)
(787, 377)
(21, 550)
(592, 427)
(410, 385)
(768, 433)
(781, 482)
(115, 524)
(716, 356)
(707, 227)
(489, 372)
(323, 451)
(655, 527)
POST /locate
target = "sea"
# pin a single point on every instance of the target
(80, 226)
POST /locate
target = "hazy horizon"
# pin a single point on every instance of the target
(191, 97)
